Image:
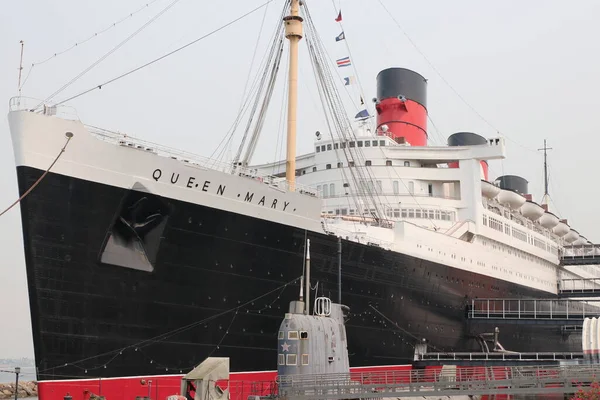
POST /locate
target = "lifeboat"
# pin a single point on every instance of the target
(571, 236)
(489, 190)
(511, 198)
(532, 210)
(548, 220)
(561, 229)
(581, 241)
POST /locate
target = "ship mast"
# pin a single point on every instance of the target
(546, 194)
(20, 67)
(293, 32)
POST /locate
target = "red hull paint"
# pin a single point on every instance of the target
(241, 384)
(159, 387)
(407, 119)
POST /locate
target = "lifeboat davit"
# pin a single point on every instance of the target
(532, 210)
(489, 190)
(548, 220)
(561, 229)
(512, 199)
(572, 236)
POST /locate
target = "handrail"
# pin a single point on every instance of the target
(457, 226)
(587, 285)
(581, 251)
(480, 373)
(30, 104)
(66, 112)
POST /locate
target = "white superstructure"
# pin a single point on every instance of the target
(447, 215)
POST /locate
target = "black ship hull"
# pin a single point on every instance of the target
(188, 293)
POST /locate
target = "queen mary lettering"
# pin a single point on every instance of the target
(191, 182)
(207, 186)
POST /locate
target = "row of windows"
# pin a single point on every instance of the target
(420, 213)
(292, 359)
(352, 144)
(549, 246)
(523, 255)
(397, 213)
(328, 190)
(498, 245)
(518, 253)
(517, 233)
(368, 163)
(293, 335)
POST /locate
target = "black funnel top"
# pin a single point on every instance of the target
(394, 82)
(466, 139)
(513, 182)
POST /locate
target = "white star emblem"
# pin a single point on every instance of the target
(285, 346)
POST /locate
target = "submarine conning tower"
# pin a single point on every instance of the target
(312, 344)
(401, 105)
(468, 139)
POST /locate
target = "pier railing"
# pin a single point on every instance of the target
(442, 381)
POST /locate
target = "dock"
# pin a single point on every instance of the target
(447, 381)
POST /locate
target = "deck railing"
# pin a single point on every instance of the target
(121, 139)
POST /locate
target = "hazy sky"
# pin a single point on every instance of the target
(530, 68)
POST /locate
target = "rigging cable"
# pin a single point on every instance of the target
(281, 127)
(352, 63)
(437, 132)
(263, 97)
(93, 36)
(165, 55)
(339, 120)
(260, 30)
(85, 71)
(166, 335)
(448, 83)
(362, 97)
(37, 182)
(550, 181)
(395, 324)
(228, 137)
(322, 90)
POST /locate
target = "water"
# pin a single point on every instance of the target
(27, 374)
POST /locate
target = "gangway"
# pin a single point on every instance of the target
(586, 254)
(579, 287)
(538, 311)
(445, 381)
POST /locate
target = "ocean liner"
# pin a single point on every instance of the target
(142, 260)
